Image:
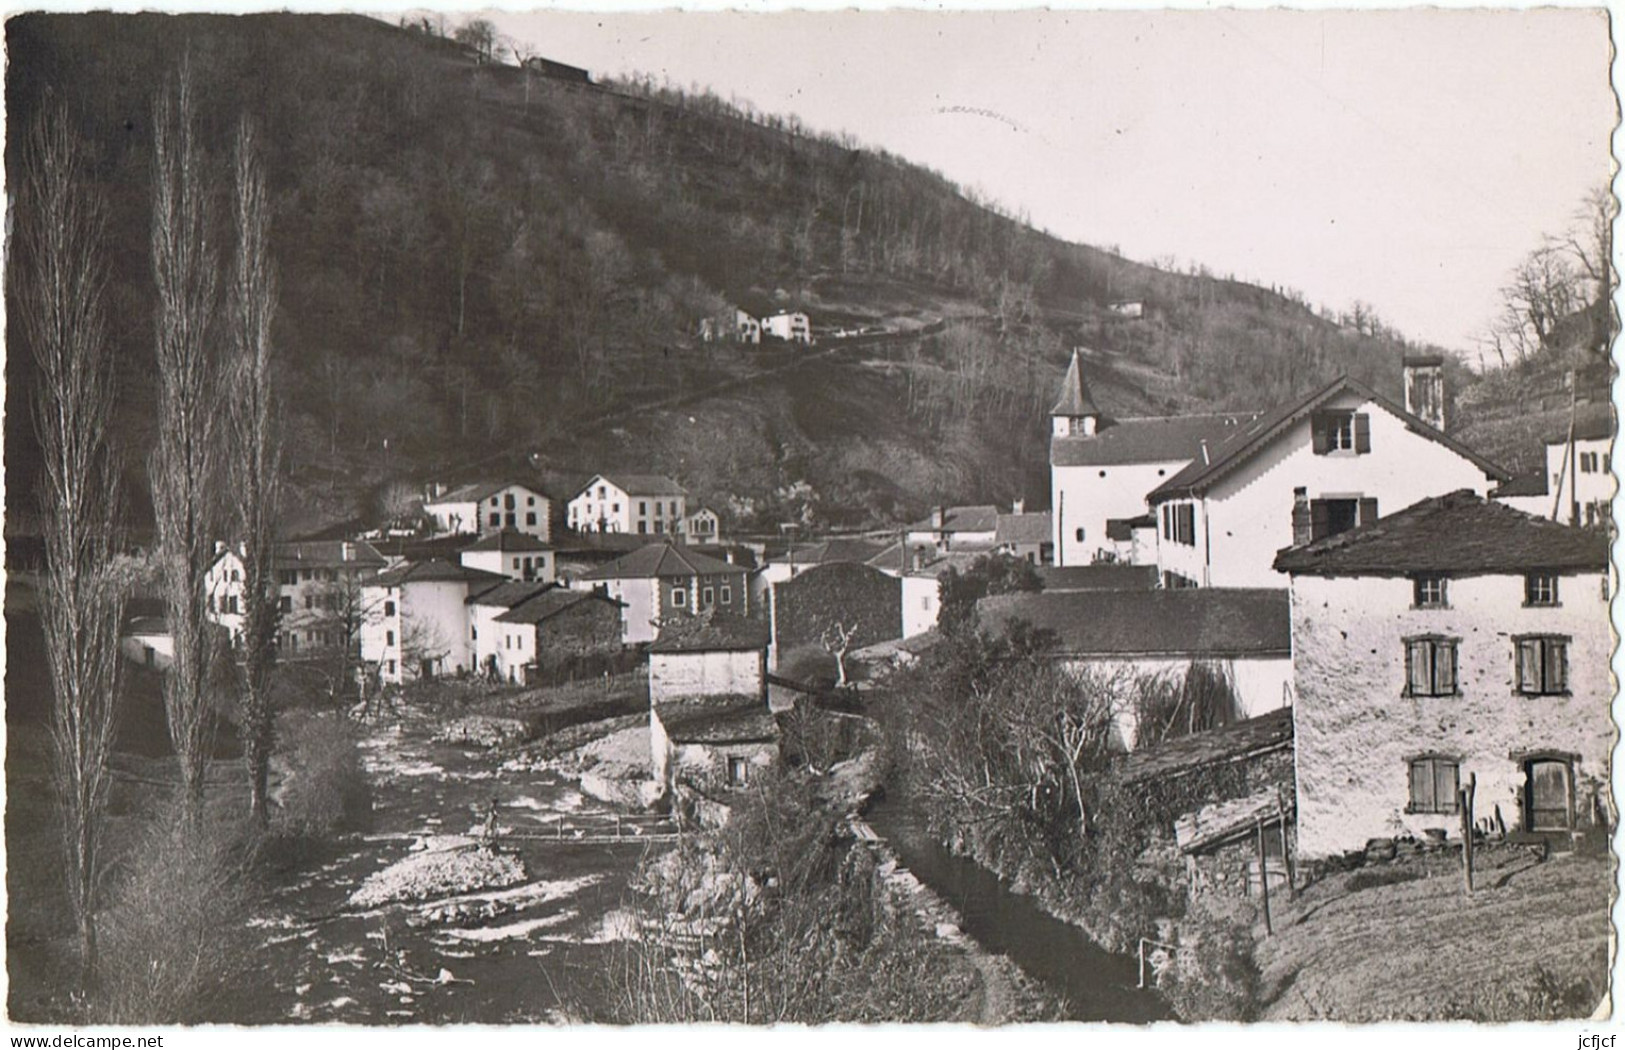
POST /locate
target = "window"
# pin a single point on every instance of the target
(1540, 588)
(679, 597)
(1588, 462)
(1079, 534)
(1434, 783)
(1341, 430)
(513, 519)
(643, 527)
(1179, 523)
(660, 509)
(229, 604)
(1430, 666)
(530, 517)
(389, 637)
(708, 597)
(660, 526)
(389, 608)
(727, 595)
(1543, 665)
(737, 767)
(288, 577)
(600, 492)
(1328, 517)
(389, 666)
(508, 501)
(494, 519)
(1431, 592)
(285, 604)
(674, 508)
(643, 508)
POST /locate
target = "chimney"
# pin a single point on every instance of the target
(1424, 388)
(1303, 529)
(919, 558)
(937, 516)
(347, 552)
(1018, 507)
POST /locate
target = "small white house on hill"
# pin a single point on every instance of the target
(485, 507)
(1577, 485)
(640, 504)
(516, 555)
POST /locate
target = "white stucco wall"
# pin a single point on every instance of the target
(430, 620)
(513, 644)
(1246, 517)
(1085, 497)
(135, 646)
(1356, 730)
(676, 675)
(922, 603)
(453, 517)
(512, 563)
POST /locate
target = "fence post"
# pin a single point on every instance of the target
(1464, 801)
(1264, 878)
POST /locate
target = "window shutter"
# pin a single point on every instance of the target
(1529, 665)
(1444, 675)
(1362, 432)
(1557, 665)
(1317, 425)
(1318, 520)
(1446, 782)
(1368, 510)
(1419, 667)
(1421, 786)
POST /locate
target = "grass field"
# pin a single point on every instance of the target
(1526, 943)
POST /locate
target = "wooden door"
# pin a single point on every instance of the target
(1547, 798)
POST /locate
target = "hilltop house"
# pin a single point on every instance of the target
(1577, 485)
(792, 326)
(639, 504)
(516, 555)
(1457, 637)
(1324, 464)
(416, 622)
(663, 580)
(1101, 467)
(1242, 637)
(488, 507)
(554, 629)
(318, 592)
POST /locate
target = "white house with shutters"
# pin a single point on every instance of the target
(1325, 464)
(318, 587)
(637, 504)
(1456, 638)
(417, 621)
(516, 555)
(1577, 485)
(486, 507)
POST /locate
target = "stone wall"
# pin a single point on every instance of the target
(587, 628)
(848, 593)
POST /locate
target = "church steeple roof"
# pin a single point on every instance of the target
(1075, 397)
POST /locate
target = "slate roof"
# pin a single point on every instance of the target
(1098, 577)
(1533, 484)
(1075, 400)
(1151, 439)
(1238, 740)
(509, 594)
(327, 554)
(550, 603)
(508, 540)
(1221, 822)
(719, 634)
(979, 518)
(1242, 445)
(1198, 622)
(641, 485)
(1458, 533)
(718, 720)
(661, 559)
(1037, 527)
(147, 625)
(434, 571)
(832, 550)
(1123, 528)
(476, 491)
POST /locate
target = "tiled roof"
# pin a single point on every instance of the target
(979, 518)
(433, 571)
(508, 540)
(661, 559)
(476, 491)
(327, 554)
(718, 720)
(645, 485)
(1456, 533)
(832, 550)
(717, 634)
(1533, 484)
(549, 603)
(509, 594)
(1244, 444)
(1098, 577)
(1024, 528)
(1200, 623)
(1155, 439)
(1254, 736)
(1075, 398)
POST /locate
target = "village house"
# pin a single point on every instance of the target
(703, 526)
(1240, 637)
(1128, 309)
(1030, 537)
(637, 504)
(1577, 485)
(555, 630)
(791, 326)
(507, 552)
(318, 592)
(493, 652)
(1322, 465)
(664, 580)
(1101, 469)
(1456, 638)
(845, 604)
(798, 558)
(486, 507)
(921, 567)
(956, 528)
(415, 622)
(146, 641)
(709, 723)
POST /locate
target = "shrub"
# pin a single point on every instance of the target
(174, 935)
(1212, 975)
(327, 790)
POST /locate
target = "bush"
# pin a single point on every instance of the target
(326, 790)
(174, 935)
(1213, 975)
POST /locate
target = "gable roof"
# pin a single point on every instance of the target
(550, 603)
(509, 594)
(639, 484)
(661, 559)
(719, 633)
(831, 550)
(717, 720)
(1531, 484)
(434, 571)
(1108, 577)
(1456, 533)
(978, 518)
(1036, 527)
(1075, 399)
(508, 540)
(1151, 439)
(1199, 622)
(1198, 475)
(476, 491)
(327, 554)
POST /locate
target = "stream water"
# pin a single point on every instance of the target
(1094, 984)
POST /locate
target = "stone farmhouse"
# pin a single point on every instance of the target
(1455, 638)
(555, 629)
(709, 723)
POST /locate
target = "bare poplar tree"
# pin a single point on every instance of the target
(255, 457)
(182, 467)
(61, 304)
